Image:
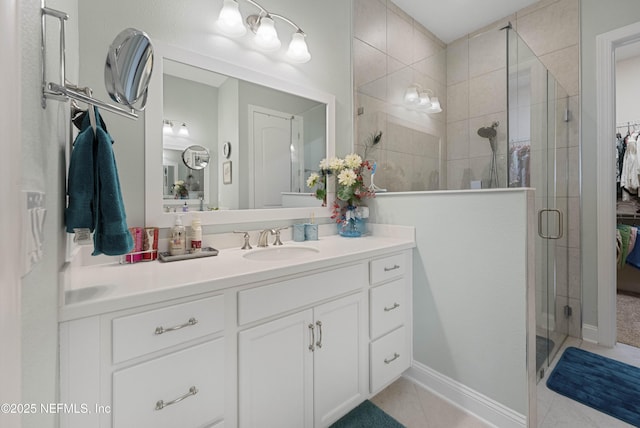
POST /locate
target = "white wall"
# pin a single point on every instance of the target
(628, 90)
(11, 246)
(597, 17)
(45, 139)
(472, 276)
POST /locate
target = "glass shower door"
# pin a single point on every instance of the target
(537, 158)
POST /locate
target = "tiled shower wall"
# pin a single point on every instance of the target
(391, 51)
(420, 152)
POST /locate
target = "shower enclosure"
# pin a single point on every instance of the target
(505, 123)
(537, 156)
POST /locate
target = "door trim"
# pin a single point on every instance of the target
(605, 191)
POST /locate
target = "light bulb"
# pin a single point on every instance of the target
(167, 127)
(411, 95)
(184, 131)
(298, 50)
(435, 106)
(266, 36)
(230, 21)
(423, 100)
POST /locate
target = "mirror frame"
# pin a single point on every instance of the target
(154, 213)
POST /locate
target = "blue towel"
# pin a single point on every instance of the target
(633, 258)
(95, 198)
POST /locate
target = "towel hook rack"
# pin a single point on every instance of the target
(65, 90)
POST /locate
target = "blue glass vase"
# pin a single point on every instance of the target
(352, 224)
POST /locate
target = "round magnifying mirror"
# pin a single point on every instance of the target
(128, 68)
(196, 157)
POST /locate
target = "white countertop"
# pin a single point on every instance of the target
(93, 290)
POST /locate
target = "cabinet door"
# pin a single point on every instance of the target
(276, 374)
(340, 358)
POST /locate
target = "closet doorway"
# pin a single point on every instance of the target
(627, 113)
(606, 46)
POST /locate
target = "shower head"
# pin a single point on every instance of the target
(489, 131)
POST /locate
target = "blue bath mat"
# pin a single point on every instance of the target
(606, 385)
(367, 415)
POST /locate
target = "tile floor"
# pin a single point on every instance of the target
(416, 407)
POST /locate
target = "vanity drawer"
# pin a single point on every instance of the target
(389, 358)
(269, 300)
(388, 307)
(387, 268)
(137, 390)
(150, 331)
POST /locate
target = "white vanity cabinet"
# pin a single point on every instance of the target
(293, 346)
(157, 366)
(307, 368)
(390, 318)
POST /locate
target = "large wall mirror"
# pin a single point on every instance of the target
(261, 138)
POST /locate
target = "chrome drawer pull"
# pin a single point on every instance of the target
(389, 269)
(395, 357)
(395, 306)
(313, 338)
(160, 404)
(319, 342)
(160, 330)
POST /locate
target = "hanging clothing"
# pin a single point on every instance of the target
(95, 198)
(629, 177)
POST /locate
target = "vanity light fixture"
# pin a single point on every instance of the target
(169, 128)
(262, 25)
(421, 99)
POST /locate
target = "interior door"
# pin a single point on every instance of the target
(272, 158)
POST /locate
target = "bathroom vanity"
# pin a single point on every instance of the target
(238, 340)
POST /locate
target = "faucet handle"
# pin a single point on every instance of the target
(276, 231)
(246, 245)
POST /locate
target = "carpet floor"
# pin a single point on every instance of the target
(606, 385)
(367, 415)
(628, 319)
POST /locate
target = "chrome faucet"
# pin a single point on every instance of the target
(264, 235)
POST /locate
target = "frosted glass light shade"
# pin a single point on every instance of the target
(435, 106)
(266, 38)
(411, 95)
(184, 131)
(230, 21)
(167, 127)
(298, 50)
(423, 100)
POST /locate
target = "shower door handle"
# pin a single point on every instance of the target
(560, 223)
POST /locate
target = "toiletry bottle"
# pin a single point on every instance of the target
(177, 243)
(185, 208)
(196, 235)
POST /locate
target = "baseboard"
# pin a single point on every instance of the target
(465, 398)
(590, 333)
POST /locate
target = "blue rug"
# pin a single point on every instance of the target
(367, 415)
(606, 385)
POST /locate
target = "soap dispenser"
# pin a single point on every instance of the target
(178, 241)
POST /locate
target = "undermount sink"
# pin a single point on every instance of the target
(280, 253)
